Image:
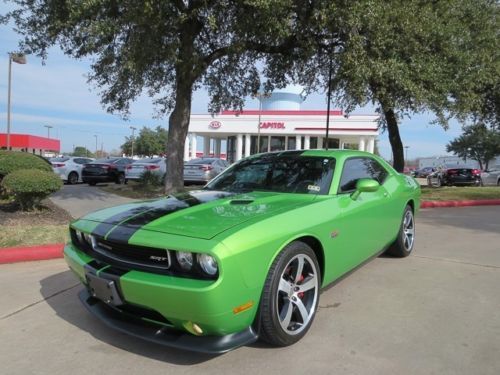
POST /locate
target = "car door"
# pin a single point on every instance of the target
(367, 222)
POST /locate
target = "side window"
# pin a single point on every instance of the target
(78, 161)
(356, 168)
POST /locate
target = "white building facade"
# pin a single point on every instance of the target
(278, 125)
(248, 132)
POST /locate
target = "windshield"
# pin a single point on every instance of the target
(58, 159)
(283, 173)
(201, 161)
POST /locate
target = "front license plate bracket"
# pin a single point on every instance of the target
(103, 289)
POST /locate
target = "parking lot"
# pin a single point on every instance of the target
(436, 312)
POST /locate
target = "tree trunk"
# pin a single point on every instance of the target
(394, 138)
(178, 125)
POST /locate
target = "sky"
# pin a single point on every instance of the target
(57, 94)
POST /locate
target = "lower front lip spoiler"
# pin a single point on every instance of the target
(167, 337)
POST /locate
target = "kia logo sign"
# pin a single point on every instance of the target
(215, 125)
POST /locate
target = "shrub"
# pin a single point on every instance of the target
(30, 186)
(11, 161)
(151, 179)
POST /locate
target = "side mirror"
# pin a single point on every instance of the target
(365, 185)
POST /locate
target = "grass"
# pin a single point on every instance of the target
(23, 235)
(460, 193)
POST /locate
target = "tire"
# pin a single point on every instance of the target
(290, 298)
(120, 180)
(72, 178)
(92, 183)
(404, 243)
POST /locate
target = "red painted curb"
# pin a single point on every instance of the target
(26, 254)
(479, 202)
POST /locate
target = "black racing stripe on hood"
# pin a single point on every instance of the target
(103, 228)
(126, 229)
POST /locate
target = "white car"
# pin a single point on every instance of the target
(135, 170)
(491, 177)
(69, 168)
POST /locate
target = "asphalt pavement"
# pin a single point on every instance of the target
(435, 312)
(81, 199)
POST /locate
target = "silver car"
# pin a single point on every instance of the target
(135, 170)
(491, 177)
(69, 168)
(204, 169)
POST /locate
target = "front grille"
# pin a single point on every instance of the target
(132, 255)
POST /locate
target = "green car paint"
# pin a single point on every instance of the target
(244, 232)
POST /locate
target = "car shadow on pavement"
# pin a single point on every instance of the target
(68, 307)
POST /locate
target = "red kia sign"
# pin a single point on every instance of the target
(215, 125)
(272, 125)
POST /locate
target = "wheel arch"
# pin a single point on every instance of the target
(411, 203)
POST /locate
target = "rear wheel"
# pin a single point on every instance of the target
(403, 245)
(290, 296)
(72, 178)
(92, 183)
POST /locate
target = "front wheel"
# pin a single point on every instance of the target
(290, 297)
(72, 178)
(403, 245)
(121, 179)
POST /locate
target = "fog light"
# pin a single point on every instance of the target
(193, 328)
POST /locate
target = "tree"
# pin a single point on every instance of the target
(403, 56)
(477, 142)
(149, 142)
(167, 49)
(82, 151)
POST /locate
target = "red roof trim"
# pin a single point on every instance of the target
(30, 141)
(336, 112)
(342, 129)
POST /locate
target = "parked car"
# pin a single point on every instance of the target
(491, 177)
(244, 257)
(423, 172)
(454, 175)
(105, 170)
(135, 170)
(204, 169)
(69, 168)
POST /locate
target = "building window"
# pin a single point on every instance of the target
(291, 143)
(313, 142)
(350, 146)
(277, 143)
(332, 143)
(264, 143)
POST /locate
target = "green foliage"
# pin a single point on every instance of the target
(151, 179)
(30, 186)
(82, 152)
(149, 142)
(477, 142)
(11, 161)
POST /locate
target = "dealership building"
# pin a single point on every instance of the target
(280, 124)
(31, 143)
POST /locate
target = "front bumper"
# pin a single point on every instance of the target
(177, 301)
(163, 335)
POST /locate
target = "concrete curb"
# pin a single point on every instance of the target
(462, 203)
(30, 253)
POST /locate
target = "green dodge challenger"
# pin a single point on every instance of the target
(246, 256)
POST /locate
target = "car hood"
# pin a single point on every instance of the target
(202, 214)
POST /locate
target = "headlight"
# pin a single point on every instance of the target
(185, 260)
(79, 236)
(88, 238)
(207, 264)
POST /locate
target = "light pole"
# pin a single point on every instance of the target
(95, 135)
(132, 151)
(330, 67)
(406, 154)
(48, 129)
(18, 58)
